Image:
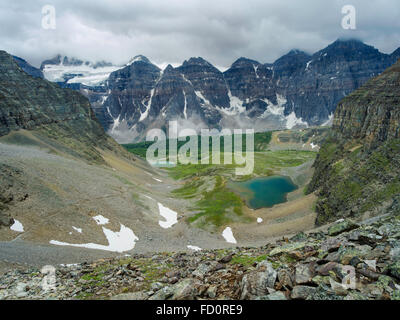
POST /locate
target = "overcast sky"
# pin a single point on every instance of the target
(170, 31)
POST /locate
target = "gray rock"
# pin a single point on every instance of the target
(342, 226)
(155, 286)
(163, 294)
(302, 292)
(131, 296)
(274, 296)
(203, 269)
(5, 219)
(258, 283)
(304, 274)
(185, 290)
(212, 292)
(285, 278)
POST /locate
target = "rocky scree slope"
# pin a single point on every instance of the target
(357, 171)
(310, 266)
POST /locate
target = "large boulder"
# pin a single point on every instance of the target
(342, 226)
(5, 220)
(259, 283)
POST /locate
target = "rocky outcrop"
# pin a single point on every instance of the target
(358, 263)
(358, 168)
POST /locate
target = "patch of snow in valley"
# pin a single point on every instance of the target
(157, 179)
(121, 241)
(259, 220)
(100, 220)
(313, 146)
(228, 235)
(17, 226)
(194, 248)
(169, 215)
(77, 229)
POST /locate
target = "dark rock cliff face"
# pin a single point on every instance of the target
(29, 69)
(358, 169)
(313, 85)
(61, 114)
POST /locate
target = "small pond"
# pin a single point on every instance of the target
(263, 192)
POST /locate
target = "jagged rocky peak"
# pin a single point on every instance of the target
(291, 62)
(207, 80)
(71, 61)
(249, 79)
(28, 68)
(396, 54)
(169, 69)
(138, 58)
(243, 62)
(349, 49)
(197, 61)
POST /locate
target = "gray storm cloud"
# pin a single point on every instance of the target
(172, 31)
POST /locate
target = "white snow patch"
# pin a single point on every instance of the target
(308, 65)
(329, 121)
(121, 241)
(259, 220)
(100, 220)
(69, 265)
(275, 109)
(85, 74)
(194, 248)
(292, 121)
(170, 216)
(255, 70)
(157, 179)
(200, 95)
(77, 229)
(185, 107)
(228, 235)
(236, 106)
(17, 226)
(148, 106)
(313, 146)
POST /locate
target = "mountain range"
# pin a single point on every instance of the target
(297, 90)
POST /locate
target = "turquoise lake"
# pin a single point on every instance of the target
(263, 192)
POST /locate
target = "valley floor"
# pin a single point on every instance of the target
(65, 195)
